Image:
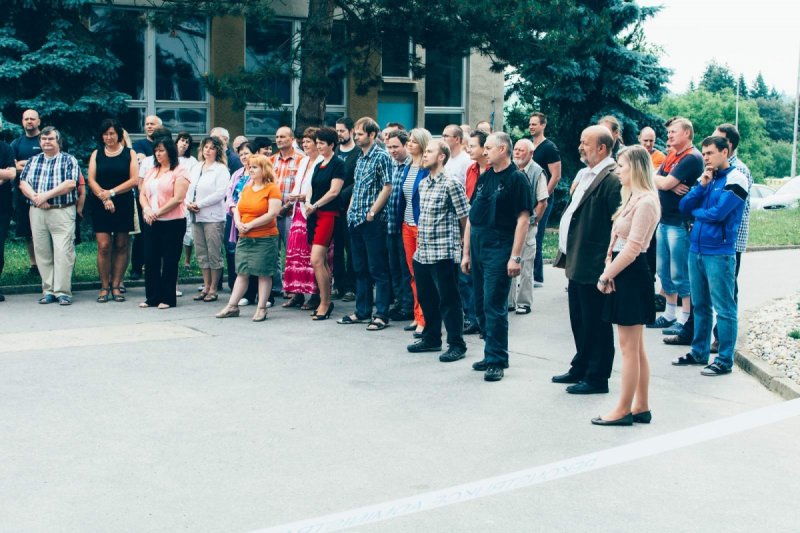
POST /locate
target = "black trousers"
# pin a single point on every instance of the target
(343, 272)
(163, 242)
(437, 291)
(594, 338)
(5, 223)
(138, 246)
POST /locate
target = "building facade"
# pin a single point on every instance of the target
(165, 72)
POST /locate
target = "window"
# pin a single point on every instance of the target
(162, 72)
(274, 45)
(444, 90)
(396, 57)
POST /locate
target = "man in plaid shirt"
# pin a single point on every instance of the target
(442, 219)
(49, 181)
(367, 222)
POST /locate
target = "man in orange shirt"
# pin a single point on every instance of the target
(285, 164)
(647, 138)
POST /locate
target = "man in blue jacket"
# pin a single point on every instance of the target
(716, 203)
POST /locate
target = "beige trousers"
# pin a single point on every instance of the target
(521, 292)
(54, 247)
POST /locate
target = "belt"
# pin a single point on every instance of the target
(63, 206)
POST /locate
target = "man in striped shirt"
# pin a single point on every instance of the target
(49, 181)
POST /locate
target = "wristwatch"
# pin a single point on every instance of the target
(516, 258)
(113, 193)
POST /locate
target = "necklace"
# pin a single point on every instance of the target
(118, 151)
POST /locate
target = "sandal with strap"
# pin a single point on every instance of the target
(116, 293)
(377, 324)
(295, 301)
(350, 319)
(103, 298)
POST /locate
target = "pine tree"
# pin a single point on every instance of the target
(52, 63)
(742, 87)
(717, 78)
(760, 89)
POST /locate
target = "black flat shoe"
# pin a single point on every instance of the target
(565, 378)
(642, 418)
(493, 373)
(472, 329)
(422, 346)
(626, 420)
(480, 366)
(586, 388)
(410, 328)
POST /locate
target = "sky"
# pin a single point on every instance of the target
(750, 36)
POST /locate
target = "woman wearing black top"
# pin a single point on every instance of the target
(113, 172)
(321, 211)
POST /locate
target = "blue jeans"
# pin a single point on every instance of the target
(538, 264)
(672, 259)
(490, 251)
(371, 265)
(401, 277)
(713, 278)
(467, 293)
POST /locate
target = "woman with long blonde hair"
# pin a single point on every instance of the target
(629, 283)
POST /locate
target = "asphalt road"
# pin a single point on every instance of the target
(114, 418)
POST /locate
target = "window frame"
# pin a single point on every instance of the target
(445, 110)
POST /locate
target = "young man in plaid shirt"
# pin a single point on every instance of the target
(442, 219)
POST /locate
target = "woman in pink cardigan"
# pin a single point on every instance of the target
(629, 283)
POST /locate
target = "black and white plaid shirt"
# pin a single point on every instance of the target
(443, 202)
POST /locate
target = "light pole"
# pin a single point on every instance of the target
(737, 104)
(796, 108)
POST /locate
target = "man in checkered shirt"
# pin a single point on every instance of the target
(49, 181)
(442, 218)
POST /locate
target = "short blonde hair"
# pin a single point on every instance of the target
(265, 164)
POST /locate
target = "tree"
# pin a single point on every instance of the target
(742, 87)
(760, 89)
(778, 115)
(49, 61)
(717, 78)
(707, 110)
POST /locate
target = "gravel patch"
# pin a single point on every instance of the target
(768, 336)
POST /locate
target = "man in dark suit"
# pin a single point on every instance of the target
(584, 235)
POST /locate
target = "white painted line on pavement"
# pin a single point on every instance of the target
(542, 474)
(93, 336)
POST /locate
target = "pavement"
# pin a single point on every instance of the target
(114, 418)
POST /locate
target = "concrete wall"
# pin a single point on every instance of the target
(484, 92)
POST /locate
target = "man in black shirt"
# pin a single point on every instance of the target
(546, 155)
(343, 272)
(496, 229)
(7, 174)
(25, 147)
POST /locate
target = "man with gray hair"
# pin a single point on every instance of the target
(234, 163)
(459, 160)
(520, 297)
(498, 223)
(49, 181)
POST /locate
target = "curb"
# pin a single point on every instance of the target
(759, 369)
(85, 286)
(772, 248)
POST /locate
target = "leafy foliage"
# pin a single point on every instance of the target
(717, 78)
(51, 63)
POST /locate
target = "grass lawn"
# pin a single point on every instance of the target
(774, 228)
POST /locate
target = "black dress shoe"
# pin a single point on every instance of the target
(453, 354)
(626, 420)
(480, 366)
(493, 373)
(472, 329)
(642, 418)
(565, 378)
(583, 387)
(410, 327)
(422, 346)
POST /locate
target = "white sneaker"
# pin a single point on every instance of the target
(200, 288)
(244, 302)
(269, 304)
(178, 293)
(538, 284)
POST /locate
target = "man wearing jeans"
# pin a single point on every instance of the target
(499, 219)
(677, 174)
(442, 219)
(49, 181)
(366, 219)
(547, 156)
(717, 204)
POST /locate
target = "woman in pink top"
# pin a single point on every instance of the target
(629, 283)
(161, 197)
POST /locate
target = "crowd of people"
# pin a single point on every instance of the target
(426, 230)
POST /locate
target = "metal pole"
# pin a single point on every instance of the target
(796, 108)
(737, 104)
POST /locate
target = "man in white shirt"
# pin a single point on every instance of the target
(520, 297)
(459, 161)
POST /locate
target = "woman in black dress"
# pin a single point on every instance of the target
(113, 172)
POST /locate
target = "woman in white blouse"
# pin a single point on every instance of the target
(205, 201)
